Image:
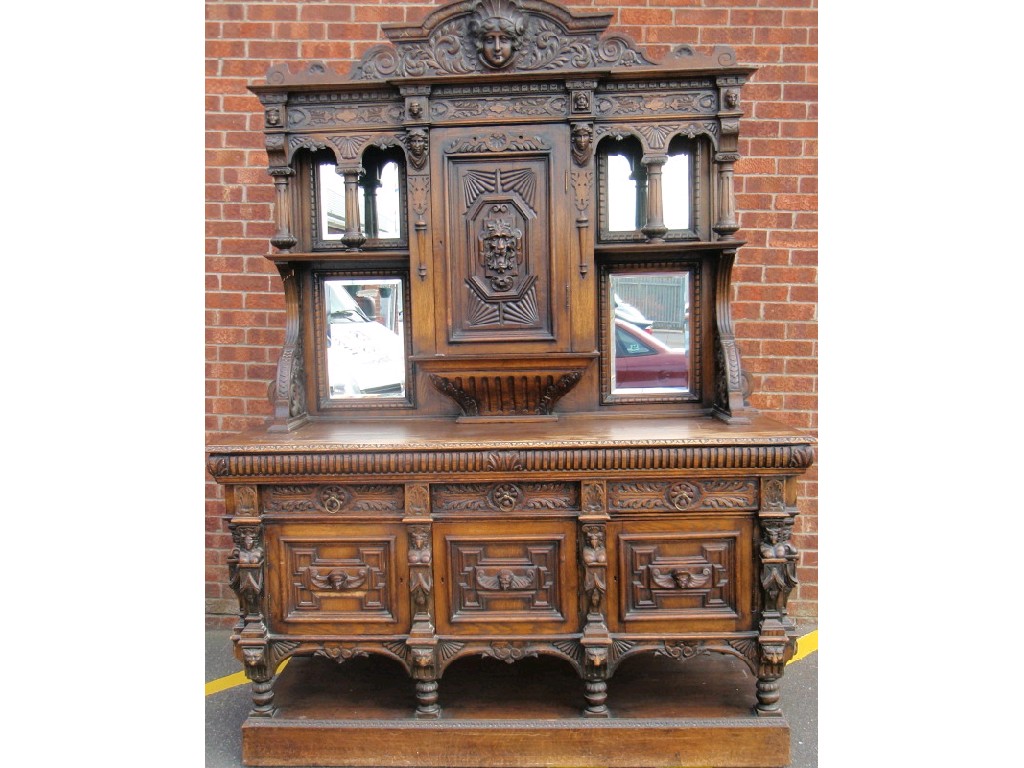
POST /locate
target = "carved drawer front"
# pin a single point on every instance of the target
(695, 573)
(337, 578)
(504, 498)
(691, 495)
(515, 577)
(333, 500)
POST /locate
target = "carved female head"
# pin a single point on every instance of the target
(497, 31)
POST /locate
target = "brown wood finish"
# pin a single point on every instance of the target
(509, 504)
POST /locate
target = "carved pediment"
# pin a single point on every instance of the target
(498, 35)
(502, 36)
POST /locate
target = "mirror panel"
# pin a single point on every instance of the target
(622, 195)
(365, 338)
(649, 332)
(331, 202)
(675, 190)
(380, 199)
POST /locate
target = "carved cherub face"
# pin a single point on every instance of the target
(505, 578)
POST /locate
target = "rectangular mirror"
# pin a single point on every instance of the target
(365, 338)
(648, 336)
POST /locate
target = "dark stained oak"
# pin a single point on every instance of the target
(505, 558)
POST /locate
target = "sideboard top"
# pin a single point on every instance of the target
(568, 431)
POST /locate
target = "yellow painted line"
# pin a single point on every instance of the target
(805, 646)
(235, 680)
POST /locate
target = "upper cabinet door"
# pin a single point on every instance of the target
(502, 206)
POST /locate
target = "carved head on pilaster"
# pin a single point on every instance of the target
(582, 139)
(416, 141)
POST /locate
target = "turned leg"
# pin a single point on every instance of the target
(768, 696)
(426, 700)
(597, 696)
(262, 698)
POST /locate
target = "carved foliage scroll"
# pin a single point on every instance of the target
(683, 495)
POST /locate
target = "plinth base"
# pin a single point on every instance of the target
(662, 713)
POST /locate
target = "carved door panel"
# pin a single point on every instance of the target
(512, 577)
(687, 574)
(336, 579)
(504, 247)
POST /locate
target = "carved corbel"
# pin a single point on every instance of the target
(729, 399)
(288, 392)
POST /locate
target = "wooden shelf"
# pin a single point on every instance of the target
(664, 713)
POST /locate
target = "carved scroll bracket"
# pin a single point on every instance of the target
(288, 392)
(729, 402)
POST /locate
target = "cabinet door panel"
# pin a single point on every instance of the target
(695, 574)
(337, 578)
(506, 577)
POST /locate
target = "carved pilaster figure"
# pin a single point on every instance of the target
(582, 143)
(245, 569)
(416, 143)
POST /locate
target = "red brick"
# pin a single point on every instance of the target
(340, 12)
(804, 129)
(300, 31)
(275, 50)
(798, 166)
(271, 12)
(728, 35)
(781, 36)
(790, 311)
(225, 11)
(700, 17)
(754, 165)
(757, 54)
(225, 49)
(781, 110)
(793, 239)
(796, 202)
(805, 221)
(388, 13)
(799, 53)
(653, 17)
(247, 31)
(773, 183)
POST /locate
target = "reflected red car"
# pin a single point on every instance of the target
(641, 360)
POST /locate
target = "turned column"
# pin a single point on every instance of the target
(353, 237)
(654, 227)
(726, 225)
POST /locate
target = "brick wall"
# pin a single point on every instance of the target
(775, 299)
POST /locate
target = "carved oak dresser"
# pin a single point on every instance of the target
(509, 420)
